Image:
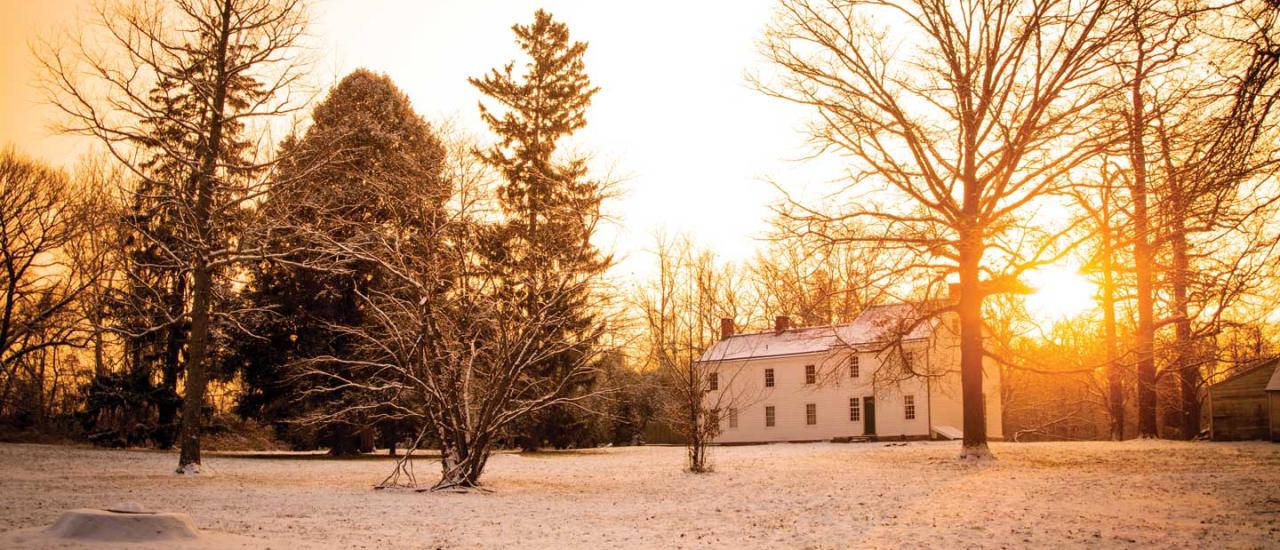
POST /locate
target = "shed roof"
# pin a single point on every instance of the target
(1269, 363)
(876, 324)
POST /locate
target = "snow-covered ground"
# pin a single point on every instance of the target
(1148, 494)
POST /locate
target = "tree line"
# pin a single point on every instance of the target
(373, 279)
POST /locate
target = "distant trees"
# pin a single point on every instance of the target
(1214, 152)
(550, 202)
(44, 275)
(173, 92)
(684, 310)
(814, 281)
(1192, 170)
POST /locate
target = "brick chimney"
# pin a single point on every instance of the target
(726, 328)
(781, 323)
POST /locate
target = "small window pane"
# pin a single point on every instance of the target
(855, 410)
(811, 414)
(768, 416)
(810, 374)
(909, 406)
(854, 367)
(713, 381)
(768, 378)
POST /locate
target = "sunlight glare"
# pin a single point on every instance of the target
(1061, 293)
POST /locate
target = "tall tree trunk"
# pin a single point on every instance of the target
(971, 354)
(1183, 361)
(1115, 381)
(1143, 256)
(197, 378)
(202, 274)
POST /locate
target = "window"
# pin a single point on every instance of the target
(810, 374)
(733, 417)
(855, 411)
(909, 407)
(768, 378)
(906, 359)
(853, 367)
(713, 418)
(811, 414)
(769, 417)
(713, 381)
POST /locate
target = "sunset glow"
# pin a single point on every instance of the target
(740, 274)
(1061, 292)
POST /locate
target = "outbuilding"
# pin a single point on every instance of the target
(1246, 405)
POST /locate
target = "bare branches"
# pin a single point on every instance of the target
(443, 340)
(980, 115)
(45, 272)
(172, 90)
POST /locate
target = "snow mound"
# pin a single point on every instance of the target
(128, 525)
(133, 526)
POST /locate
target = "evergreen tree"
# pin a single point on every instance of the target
(365, 144)
(151, 310)
(551, 205)
(173, 92)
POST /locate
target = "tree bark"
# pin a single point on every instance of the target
(197, 375)
(971, 355)
(202, 274)
(1183, 361)
(1115, 384)
(1143, 255)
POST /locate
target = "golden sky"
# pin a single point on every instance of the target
(675, 117)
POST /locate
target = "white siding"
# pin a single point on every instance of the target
(937, 399)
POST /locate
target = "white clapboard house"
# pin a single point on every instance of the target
(849, 381)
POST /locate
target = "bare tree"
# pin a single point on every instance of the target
(172, 89)
(1107, 229)
(959, 120)
(815, 281)
(688, 306)
(1196, 108)
(1216, 154)
(442, 344)
(43, 275)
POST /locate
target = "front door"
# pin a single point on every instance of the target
(869, 420)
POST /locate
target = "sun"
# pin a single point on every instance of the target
(1060, 292)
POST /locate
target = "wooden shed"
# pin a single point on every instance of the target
(1246, 405)
(1273, 403)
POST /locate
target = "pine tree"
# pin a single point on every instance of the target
(551, 204)
(172, 93)
(365, 144)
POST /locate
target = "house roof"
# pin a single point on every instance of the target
(1269, 363)
(874, 325)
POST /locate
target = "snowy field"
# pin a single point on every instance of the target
(1147, 494)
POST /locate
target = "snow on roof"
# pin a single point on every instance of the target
(875, 324)
(1274, 383)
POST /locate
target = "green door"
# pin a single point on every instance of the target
(869, 420)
